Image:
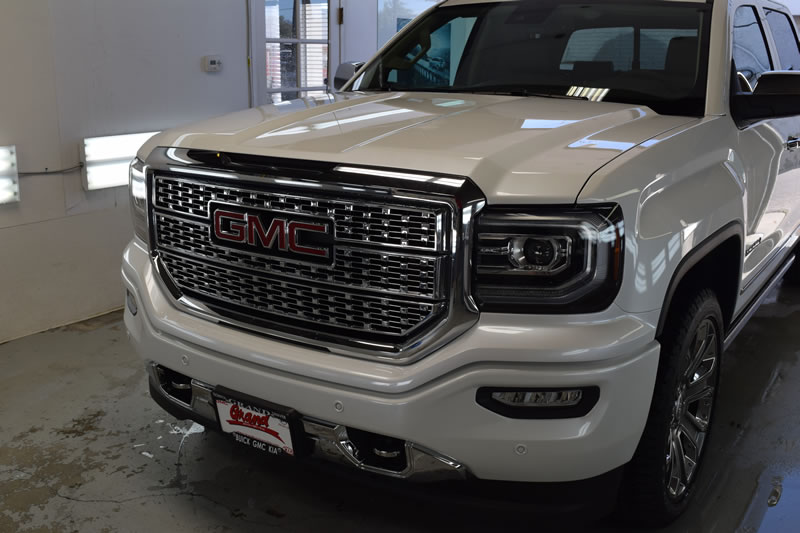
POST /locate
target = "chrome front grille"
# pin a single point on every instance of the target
(389, 281)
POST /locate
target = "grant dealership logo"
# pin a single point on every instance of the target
(239, 417)
(275, 233)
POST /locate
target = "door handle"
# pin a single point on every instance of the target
(793, 143)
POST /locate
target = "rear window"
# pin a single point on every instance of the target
(600, 44)
(617, 45)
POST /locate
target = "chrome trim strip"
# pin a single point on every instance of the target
(422, 464)
(777, 252)
(743, 319)
(465, 203)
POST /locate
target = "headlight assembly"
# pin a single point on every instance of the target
(548, 260)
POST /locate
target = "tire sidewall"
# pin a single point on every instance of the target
(678, 351)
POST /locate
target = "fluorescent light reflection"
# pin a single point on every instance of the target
(9, 179)
(299, 130)
(536, 124)
(108, 159)
(384, 174)
(590, 93)
(106, 175)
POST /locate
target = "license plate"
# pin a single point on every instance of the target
(259, 427)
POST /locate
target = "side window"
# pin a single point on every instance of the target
(750, 50)
(785, 39)
(437, 66)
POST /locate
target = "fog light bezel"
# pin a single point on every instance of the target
(131, 303)
(590, 397)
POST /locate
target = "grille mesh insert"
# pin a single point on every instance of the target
(291, 300)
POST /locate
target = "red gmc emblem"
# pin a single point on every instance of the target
(275, 233)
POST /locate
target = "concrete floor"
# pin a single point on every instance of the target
(83, 448)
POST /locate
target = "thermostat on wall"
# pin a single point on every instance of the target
(212, 63)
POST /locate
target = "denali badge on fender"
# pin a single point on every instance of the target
(275, 233)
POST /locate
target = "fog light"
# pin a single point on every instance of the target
(131, 302)
(567, 398)
(539, 403)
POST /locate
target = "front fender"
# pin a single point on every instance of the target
(677, 191)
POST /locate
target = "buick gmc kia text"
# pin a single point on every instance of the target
(514, 246)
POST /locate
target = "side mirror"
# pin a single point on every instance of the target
(345, 73)
(777, 95)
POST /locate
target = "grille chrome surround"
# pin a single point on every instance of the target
(397, 288)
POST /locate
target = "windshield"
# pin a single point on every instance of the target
(650, 53)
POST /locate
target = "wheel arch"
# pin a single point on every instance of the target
(701, 265)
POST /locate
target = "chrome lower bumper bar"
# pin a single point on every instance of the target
(332, 442)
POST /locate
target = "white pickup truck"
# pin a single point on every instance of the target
(522, 265)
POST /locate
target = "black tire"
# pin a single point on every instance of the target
(658, 485)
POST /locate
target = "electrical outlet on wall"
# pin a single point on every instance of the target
(212, 63)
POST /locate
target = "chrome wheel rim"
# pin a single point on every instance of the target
(691, 413)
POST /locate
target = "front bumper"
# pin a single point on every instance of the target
(431, 404)
(327, 440)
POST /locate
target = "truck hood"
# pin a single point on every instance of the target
(516, 149)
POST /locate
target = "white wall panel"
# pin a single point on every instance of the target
(85, 68)
(359, 34)
(55, 272)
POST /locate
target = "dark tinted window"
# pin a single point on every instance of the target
(785, 39)
(750, 51)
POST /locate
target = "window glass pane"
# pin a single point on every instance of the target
(750, 51)
(785, 39)
(281, 65)
(656, 43)
(600, 46)
(280, 19)
(314, 61)
(314, 19)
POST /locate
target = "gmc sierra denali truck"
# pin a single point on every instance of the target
(522, 263)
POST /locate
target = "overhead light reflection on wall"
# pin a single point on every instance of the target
(9, 179)
(107, 159)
